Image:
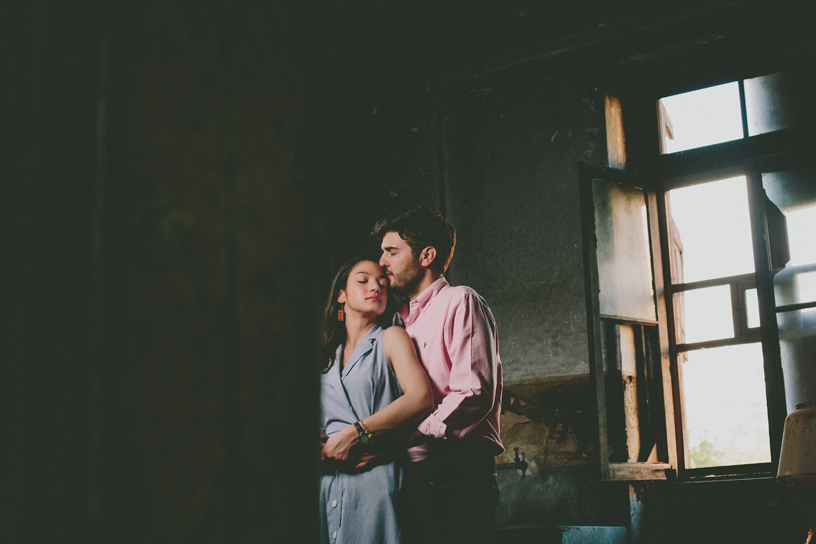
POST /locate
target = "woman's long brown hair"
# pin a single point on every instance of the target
(334, 331)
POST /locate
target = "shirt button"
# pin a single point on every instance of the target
(334, 504)
(334, 535)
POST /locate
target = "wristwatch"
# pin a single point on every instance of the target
(366, 437)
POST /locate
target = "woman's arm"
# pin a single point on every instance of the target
(411, 407)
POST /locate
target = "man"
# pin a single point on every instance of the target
(452, 474)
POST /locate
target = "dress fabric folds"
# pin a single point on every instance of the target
(359, 508)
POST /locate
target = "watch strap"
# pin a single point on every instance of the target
(364, 434)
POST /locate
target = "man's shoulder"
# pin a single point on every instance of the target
(461, 293)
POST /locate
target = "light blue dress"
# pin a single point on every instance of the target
(359, 508)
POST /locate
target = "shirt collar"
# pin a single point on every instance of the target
(411, 309)
(362, 348)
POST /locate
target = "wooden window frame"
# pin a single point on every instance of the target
(750, 156)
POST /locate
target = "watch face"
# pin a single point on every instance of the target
(365, 438)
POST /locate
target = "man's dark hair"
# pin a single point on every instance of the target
(420, 228)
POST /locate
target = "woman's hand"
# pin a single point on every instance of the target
(338, 446)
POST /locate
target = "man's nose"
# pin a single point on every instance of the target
(382, 260)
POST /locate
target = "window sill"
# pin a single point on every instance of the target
(635, 472)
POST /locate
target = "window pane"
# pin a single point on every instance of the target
(707, 314)
(699, 118)
(794, 193)
(752, 308)
(778, 101)
(726, 414)
(624, 256)
(712, 223)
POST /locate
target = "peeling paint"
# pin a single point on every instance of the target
(547, 421)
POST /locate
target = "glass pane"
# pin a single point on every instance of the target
(778, 101)
(700, 118)
(726, 412)
(712, 229)
(707, 314)
(794, 193)
(624, 257)
(752, 308)
(797, 335)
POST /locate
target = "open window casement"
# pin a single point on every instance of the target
(626, 320)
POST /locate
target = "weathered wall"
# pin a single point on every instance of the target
(512, 145)
(512, 142)
(549, 424)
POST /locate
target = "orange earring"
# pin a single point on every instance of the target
(340, 316)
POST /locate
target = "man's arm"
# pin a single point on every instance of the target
(470, 337)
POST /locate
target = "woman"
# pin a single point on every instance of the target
(372, 387)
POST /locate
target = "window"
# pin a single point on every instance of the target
(714, 342)
(701, 282)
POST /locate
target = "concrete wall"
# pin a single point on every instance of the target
(512, 144)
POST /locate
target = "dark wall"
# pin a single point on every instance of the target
(213, 364)
(48, 284)
(159, 284)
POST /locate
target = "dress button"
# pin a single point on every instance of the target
(334, 504)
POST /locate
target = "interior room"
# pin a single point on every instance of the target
(633, 186)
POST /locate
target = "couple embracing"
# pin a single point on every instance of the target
(410, 412)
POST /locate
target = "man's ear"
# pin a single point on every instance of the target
(427, 257)
(341, 296)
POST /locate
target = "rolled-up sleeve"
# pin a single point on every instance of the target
(470, 340)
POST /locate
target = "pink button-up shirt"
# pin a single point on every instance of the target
(458, 345)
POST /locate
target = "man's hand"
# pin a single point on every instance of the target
(368, 461)
(415, 439)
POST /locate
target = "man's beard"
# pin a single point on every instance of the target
(406, 282)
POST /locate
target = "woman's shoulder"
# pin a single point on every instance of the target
(395, 337)
(397, 345)
(395, 333)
